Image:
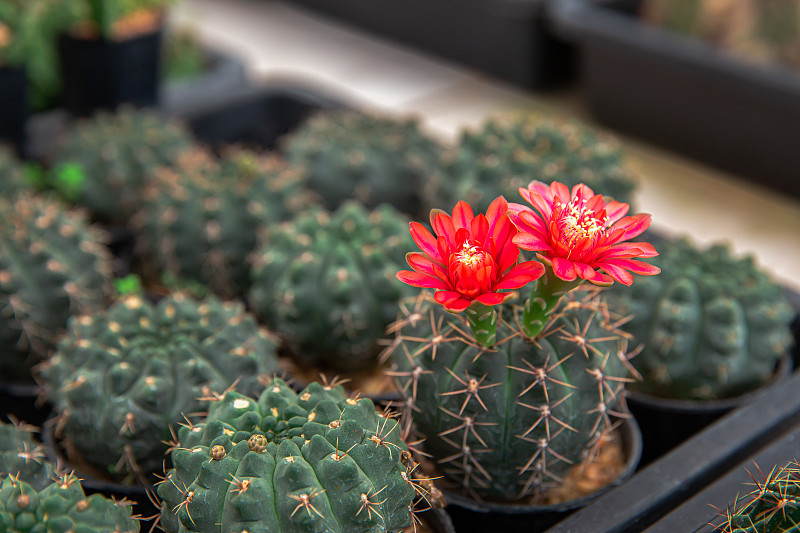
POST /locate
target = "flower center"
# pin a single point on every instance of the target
(472, 269)
(575, 221)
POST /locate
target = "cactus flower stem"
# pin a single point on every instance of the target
(544, 298)
(483, 321)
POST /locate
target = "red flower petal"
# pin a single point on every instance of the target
(423, 264)
(588, 273)
(423, 238)
(452, 301)
(564, 269)
(492, 298)
(417, 279)
(521, 275)
(443, 227)
(462, 215)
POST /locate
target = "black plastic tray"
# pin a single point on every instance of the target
(685, 94)
(506, 38)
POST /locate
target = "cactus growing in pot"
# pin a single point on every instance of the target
(314, 461)
(509, 399)
(122, 378)
(52, 264)
(325, 283)
(711, 326)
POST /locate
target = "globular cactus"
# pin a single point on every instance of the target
(22, 456)
(317, 461)
(351, 155)
(509, 421)
(326, 283)
(201, 217)
(104, 162)
(506, 153)
(711, 325)
(60, 506)
(122, 378)
(52, 265)
(773, 506)
(761, 31)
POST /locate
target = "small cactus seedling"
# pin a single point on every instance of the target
(711, 326)
(506, 152)
(325, 283)
(60, 506)
(350, 155)
(52, 265)
(201, 217)
(772, 507)
(104, 162)
(122, 378)
(22, 456)
(289, 462)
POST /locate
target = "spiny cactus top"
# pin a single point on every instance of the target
(508, 152)
(12, 178)
(22, 456)
(350, 155)
(317, 461)
(201, 217)
(121, 378)
(325, 283)
(61, 506)
(712, 325)
(104, 162)
(52, 265)
(761, 31)
(772, 507)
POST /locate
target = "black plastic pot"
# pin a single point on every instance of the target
(13, 107)
(506, 38)
(469, 515)
(685, 94)
(23, 401)
(437, 520)
(102, 74)
(666, 422)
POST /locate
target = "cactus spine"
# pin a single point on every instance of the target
(22, 457)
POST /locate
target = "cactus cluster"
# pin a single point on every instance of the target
(22, 456)
(351, 155)
(122, 378)
(60, 506)
(773, 506)
(762, 31)
(326, 283)
(507, 152)
(104, 162)
(711, 325)
(289, 462)
(52, 265)
(509, 421)
(201, 217)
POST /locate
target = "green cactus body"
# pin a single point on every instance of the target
(350, 155)
(104, 163)
(122, 378)
(508, 152)
(316, 461)
(59, 507)
(22, 456)
(201, 217)
(773, 507)
(508, 422)
(712, 326)
(12, 177)
(326, 283)
(52, 265)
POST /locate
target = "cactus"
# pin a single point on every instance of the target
(508, 152)
(760, 31)
(712, 325)
(60, 506)
(774, 505)
(350, 155)
(104, 162)
(52, 265)
(122, 378)
(508, 422)
(12, 175)
(317, 461)
(22, 457)
(325, 283)
(201, 217)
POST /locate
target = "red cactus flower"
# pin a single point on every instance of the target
(470, 259)
(579, 232)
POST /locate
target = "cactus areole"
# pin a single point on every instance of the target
(508, 397)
